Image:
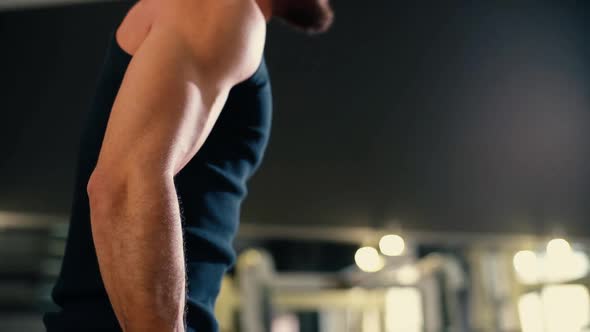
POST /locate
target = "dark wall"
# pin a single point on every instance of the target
(467, 116)
(49, 62)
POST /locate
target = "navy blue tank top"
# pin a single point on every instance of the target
(210, 187)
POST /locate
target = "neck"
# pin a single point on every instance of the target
(266, 8)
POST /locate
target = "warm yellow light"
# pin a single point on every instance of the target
(530, 312)
(408, 275)
(558, 248)
(557, 308)
(526, 265)
(285, 323)
(565, 267)
(392, 245)
(368, 259)
(403, 310)
(566, 308)
(559, 264)
(371, 320)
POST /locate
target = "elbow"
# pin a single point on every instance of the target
(111, 190)
(106, 195)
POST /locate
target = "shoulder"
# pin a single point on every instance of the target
(224, 35)
(182, 10)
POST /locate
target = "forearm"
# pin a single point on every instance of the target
(137, 233)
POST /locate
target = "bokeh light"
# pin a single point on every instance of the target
(392, 245)
(368, 259)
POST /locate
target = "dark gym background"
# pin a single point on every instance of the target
(468, 116)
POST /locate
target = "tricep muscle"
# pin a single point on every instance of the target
(164, 109)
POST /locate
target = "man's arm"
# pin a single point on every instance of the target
(171, 95)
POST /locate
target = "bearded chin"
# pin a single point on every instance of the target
(309, 16)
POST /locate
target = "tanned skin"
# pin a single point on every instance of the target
(186, 58)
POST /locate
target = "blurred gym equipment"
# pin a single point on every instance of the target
(444, 283)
